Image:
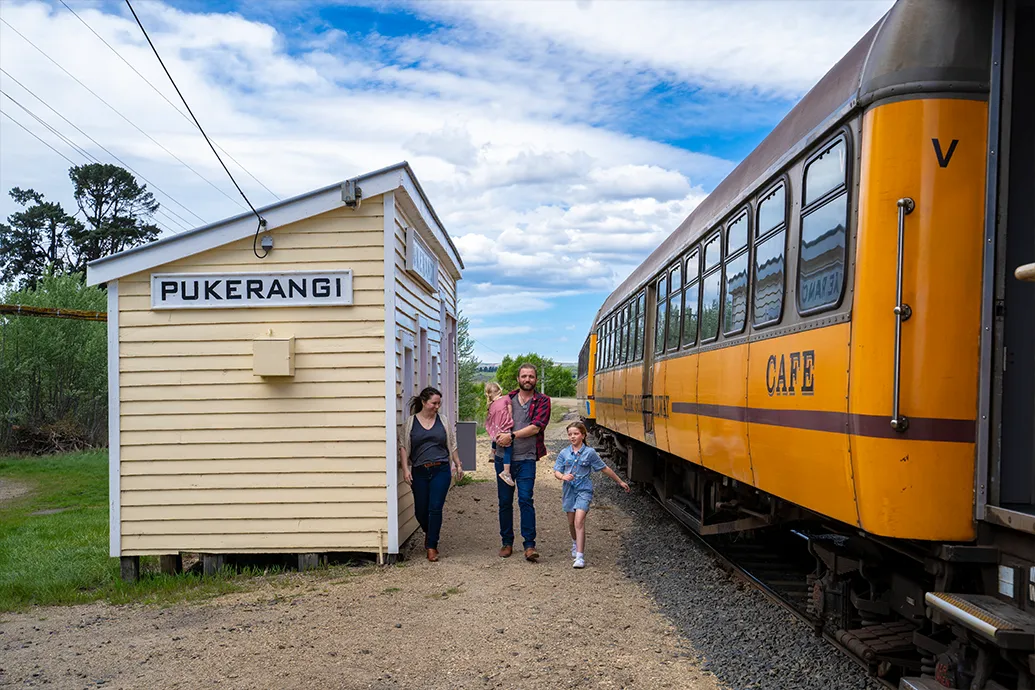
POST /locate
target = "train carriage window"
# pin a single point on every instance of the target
(691, 296)
(620, 350)
(713, 252)
(628, 329)
(607, 344)
(769, 263)
(634, 334)
(675, 313)
(735, 288)
(711, 287)
(824, 230)
(659, 323)
(641, 319)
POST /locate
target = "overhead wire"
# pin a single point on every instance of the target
(119, 113)
(164, 97)
(4, 113)
(262, 221)
(99, 145)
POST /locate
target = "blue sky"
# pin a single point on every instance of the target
(559, 141)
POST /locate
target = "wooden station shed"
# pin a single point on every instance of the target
(255, 402)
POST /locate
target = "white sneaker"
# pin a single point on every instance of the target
(580, 561)
(574, 549)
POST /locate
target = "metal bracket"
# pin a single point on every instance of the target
(351, 194)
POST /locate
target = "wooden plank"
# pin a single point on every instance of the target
(196, 451)
(230, 377)
(250, 331)
(271, 498)
(243, 362)
(255, 420)
(256, 543)
(259, 526)
(243, 346)
(232, 436)
(252, 466)
(177, 396)
(339, 509)
(295, 480)
(258, 316)
(285, 259)
(253, 406)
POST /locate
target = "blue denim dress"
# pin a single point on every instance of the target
(578, 493)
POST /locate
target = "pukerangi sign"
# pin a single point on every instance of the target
(235, 290)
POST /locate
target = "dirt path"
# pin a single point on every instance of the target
(472, 620)
(10, 489)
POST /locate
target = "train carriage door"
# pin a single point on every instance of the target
(654, 343)
(1015, 289)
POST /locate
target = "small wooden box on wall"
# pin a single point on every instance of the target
(273, 356)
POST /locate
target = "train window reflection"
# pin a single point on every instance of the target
(659, 329)
(769, 282)
(737, 234)
(690, 311)
(822, 263)
(674, 319)
(772, 211)
(693, 267)
(710, 307)
(712, 252)
(825, 173)
(641, 318)
(675, 282)
(735, 311)
(662, 288)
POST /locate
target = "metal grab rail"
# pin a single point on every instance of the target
(902, 313)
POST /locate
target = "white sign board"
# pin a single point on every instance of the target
(420, 261)
(235, 290)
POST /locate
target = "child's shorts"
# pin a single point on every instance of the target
(573, 499)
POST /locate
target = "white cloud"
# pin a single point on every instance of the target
(486, 331)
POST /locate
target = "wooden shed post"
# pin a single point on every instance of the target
(130, 566)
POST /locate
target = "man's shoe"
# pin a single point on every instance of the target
(506, 551)
(531, 555)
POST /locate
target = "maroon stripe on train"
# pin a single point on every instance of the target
(873, 426)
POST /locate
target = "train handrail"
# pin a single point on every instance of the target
(902, 313)
(1025, 272)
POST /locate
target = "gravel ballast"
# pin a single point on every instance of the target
(745, 639)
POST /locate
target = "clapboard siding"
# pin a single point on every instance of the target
(214, 458)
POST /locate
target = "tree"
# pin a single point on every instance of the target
(470, 391)
(35, 240)
(116, 209)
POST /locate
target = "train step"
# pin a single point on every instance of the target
(932, 684)
(1008, 627)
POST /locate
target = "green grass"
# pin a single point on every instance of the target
(469, 478)
(62, 558)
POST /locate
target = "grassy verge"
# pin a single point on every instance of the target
(54, 542)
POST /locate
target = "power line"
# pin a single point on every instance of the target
(156, 90)
(262, 221)
(96, 143)
(36, 136)
(82, 152)
(119, 113)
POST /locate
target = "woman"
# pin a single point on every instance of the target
(428, 451)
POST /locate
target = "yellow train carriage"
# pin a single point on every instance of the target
(825, 340)
(585, 380)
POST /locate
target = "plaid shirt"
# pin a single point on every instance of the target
(539, 415)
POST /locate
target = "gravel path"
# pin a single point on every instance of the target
(748, 641)
(472, 620)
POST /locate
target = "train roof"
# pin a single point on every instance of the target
(918, 46)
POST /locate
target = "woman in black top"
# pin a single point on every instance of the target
(429, 462)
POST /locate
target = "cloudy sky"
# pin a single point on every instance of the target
(559, 141)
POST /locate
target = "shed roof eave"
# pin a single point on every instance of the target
(395, 177)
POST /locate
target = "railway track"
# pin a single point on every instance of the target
(778, 565)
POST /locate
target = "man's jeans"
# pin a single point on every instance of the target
(523, 473)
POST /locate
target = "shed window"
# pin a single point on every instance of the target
(770, 257)
(824, 230)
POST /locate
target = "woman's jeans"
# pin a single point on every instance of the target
(430, 486)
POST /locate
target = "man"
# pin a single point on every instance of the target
(531, 411)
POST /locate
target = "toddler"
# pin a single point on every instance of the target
(575, 466)
(499, 420)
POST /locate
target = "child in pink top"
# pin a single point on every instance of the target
(499, 420)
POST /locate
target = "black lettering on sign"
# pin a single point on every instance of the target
(776, 376)
(275, 289)
(254, 288)
(169, 287)
(232, 287)
(321, 287)
(943, 159)
(184, 291)
(210, 290)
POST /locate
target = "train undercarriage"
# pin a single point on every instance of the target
(919, 615)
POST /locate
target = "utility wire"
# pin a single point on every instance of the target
(96, 143)
(117, 112)
(36, 136)
(82, 152)
(156, 90)
(262, 221)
